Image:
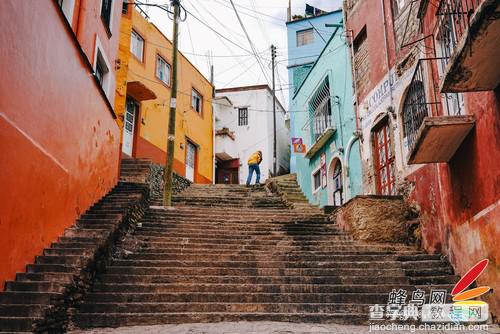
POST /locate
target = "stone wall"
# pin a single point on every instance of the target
(155, 181)
(375, 219)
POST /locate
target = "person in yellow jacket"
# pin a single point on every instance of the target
(253, 165)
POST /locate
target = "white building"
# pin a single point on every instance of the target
(244, 125)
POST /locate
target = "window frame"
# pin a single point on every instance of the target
(243, 120)
(134, 32)
(316, 175)
(194, 91)
(107, 20)
(167, 64)
(300, 41)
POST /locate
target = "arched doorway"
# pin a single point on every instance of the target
(337, 183)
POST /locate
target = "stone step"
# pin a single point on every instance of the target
(67, 251)
(28, 297)
(22, 310)
(148, 255)
(223, 307)
(270, 271)
(17, 324)
(269, 241)
(253, 288)
(159, 230)
(274, 251)
(58, 277)
(86, 320)
(235, 297)
(368, 265)
(71, 260)
(45, 286)
(50, 268)
(261, 279)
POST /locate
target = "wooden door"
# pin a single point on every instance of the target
(384, 161)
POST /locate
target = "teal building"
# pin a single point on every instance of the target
(326, 143)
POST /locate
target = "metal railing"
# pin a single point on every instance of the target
(322, 118)
(454, 21)
(423, 99)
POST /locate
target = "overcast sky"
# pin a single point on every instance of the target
(265, 24)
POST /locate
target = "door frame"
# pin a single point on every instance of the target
(196, 153)
(383, 122)
(136, 129)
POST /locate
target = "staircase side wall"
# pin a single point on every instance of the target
(59, 142)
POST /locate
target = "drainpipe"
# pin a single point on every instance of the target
(351, 142)
(386, 46)
(353, 71)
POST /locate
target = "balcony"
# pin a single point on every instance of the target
(434, 124)
(321, 125)
(469, 40)
(225, 145)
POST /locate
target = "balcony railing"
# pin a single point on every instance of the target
(423, 100)
(454, 21)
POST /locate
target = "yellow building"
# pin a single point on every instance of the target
(142, 101)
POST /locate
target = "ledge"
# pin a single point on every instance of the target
(472, 64)
(319, 143)
(439, 138)
(139, 92)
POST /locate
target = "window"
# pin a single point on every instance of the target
(101, 69)
(397, 6)
(137, 45)
(196, 101)
(305, 37)
(163, 70)
(67, 7)
(414, 109)
(242, 116)
(106, 12)
(361, 62)
(320, 110)
(125, 7)
(317, 179)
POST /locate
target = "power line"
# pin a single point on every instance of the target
(250, 41)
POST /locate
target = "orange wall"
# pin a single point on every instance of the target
(59, 142)
(153, 122)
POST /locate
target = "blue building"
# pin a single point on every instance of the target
(307, 37)
(329, 171)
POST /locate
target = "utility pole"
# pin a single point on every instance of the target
(273, 57)
(168, 171)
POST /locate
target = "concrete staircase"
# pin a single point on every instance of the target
(231, 253)
(288, 188)
(38, 299)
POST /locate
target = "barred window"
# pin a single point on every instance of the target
(320, 109)
(242, 116)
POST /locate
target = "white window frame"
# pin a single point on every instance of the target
(68, 8)
(315, 190)
(159, 60)
(193, 93)
(300, 37)
(141, 58)
(111, 14)
(108, 77)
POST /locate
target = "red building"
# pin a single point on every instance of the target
(59, 141)
(428, 106)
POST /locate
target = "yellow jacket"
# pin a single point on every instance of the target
(255, 158)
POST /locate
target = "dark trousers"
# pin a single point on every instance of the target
(251, 169)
